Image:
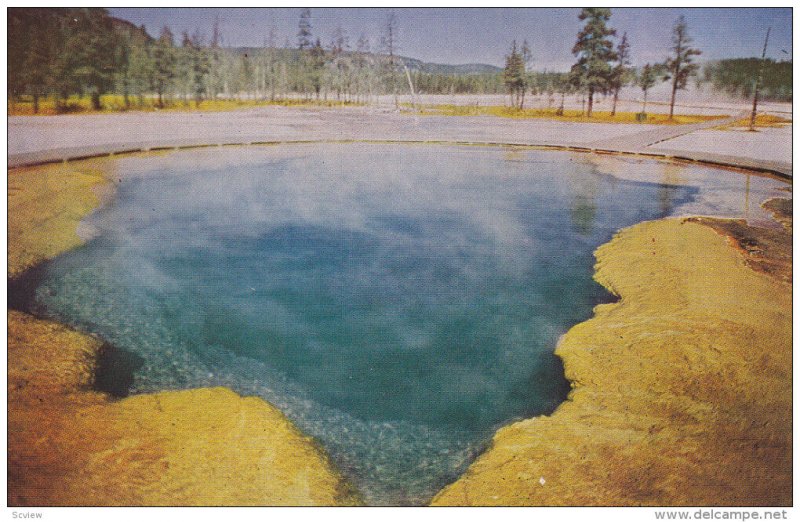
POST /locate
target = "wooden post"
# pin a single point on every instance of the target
(411, 86)
(758, 83)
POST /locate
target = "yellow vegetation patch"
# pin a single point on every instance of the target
(762, 121)
(116, 103)
(552, 114)
(681, 390)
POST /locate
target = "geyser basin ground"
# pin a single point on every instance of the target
(399, 303)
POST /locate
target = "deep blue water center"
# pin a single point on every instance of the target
(398, 303)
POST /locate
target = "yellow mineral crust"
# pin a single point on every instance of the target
(681, 389)
(71, 445)
(45, 205)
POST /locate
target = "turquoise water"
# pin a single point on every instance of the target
(398, 303)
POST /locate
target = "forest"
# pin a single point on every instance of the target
(735, 77)
(59, 54)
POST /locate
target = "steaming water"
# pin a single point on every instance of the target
(398, 303)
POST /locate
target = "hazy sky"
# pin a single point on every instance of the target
(451, 35)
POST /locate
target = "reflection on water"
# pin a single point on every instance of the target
(584, 208)
(723, 193)
(671, 180)
(398, 303)
(747, 197)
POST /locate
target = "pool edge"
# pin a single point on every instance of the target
(63, 155)
(679, 425)
(582, 323)
(45, 406)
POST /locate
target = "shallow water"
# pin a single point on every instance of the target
(398, 303)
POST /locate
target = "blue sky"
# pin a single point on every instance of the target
(459, 35)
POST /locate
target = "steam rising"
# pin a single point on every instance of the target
(398, 303)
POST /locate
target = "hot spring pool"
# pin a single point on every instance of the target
(397, 302)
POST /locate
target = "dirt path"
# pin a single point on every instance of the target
(641, 140)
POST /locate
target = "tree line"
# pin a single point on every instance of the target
(603, 66)
(62, 52)
(735, 77)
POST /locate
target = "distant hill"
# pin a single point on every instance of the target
(441, 68)
(412, 63)
(130, 30)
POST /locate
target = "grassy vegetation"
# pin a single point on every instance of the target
(553, 114)
(763, 121)
(116, 103)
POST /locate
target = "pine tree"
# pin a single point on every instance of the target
(679, 66)
(646, 80)
(389, 45)
(41, 31)
(304, 30)
(527, 81)
(194, 67)
(163, 64)
(317, 64)
(19, 41)
(183, 68)
(124, 68)
(514, 76)
(618, 78)
(271, 65)
(141, 69)
(305, 68)
(563, 85)
(339, 48)
(201, 68)
(37, 63)
(594, 50)
(91, 46)
(215, 82)
(34, 38)
(361, 61)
